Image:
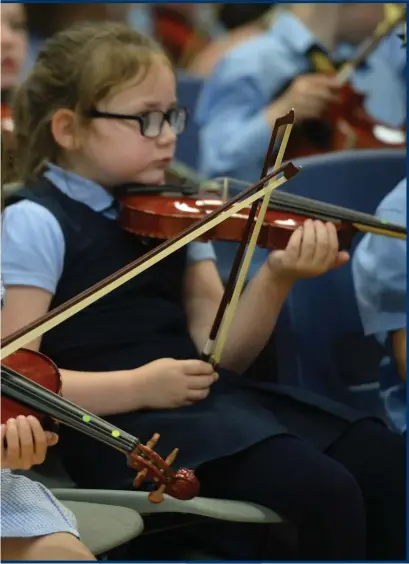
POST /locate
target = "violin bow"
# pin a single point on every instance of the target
(213, 348)
(55, 317)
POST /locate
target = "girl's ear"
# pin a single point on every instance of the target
(64, 129)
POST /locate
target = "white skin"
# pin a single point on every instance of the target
(109, 152)
(13, 43)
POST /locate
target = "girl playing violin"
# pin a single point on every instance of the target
(98, 110)
(34, 525)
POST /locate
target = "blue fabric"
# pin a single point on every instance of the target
(35, 257)
(234, 134)
(29, 509)
(379, 271)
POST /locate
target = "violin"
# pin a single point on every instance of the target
(31, 385)
(161, 212)
(346, 125)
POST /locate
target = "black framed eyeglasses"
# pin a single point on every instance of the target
(151, 122)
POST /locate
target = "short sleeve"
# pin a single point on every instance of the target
(230, 113)
(379, 272)
(33, 247)
(197, 252)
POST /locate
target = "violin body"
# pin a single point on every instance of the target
(163, 217)
(38, 368)
(346, 126)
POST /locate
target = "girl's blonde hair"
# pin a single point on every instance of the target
(76, 69)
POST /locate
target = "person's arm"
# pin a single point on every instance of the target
(379, 275)
(254, 320)
(32, 261)
(310, 252)
(399, 351)
(102, 393)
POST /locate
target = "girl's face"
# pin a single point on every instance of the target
(113, 151)
(13, 43)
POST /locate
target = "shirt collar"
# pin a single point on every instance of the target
(79, 189)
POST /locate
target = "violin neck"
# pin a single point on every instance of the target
(17, 387)
(380, 230)
(291, 203)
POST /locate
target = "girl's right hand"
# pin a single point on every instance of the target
(170, 383)
(24, 443)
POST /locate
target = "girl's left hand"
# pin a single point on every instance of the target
(311, 251)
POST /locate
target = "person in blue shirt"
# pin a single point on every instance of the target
(265, 77)
(99, 110)
(379, 272)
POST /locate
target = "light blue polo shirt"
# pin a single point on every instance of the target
(234, 134)
(379, 273)
(33, 245)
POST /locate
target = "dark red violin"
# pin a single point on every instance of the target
(161, 212)
(31, 385)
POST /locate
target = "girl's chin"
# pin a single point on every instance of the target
(156, 177)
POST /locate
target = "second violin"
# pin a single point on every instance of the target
(31, 385)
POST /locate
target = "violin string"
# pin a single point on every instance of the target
(30, 398)
(66, 411)
(300, 205)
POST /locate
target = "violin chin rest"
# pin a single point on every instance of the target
(222, 509)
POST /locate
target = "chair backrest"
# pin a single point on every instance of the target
(189, 87)
(354, 179)
(319, 336)
(319, 339)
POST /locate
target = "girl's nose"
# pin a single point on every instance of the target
(167, 135)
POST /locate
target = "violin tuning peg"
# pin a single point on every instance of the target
(140, 478)
(157, 495)
(172, 457)
(152, 442)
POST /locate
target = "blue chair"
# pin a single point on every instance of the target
(354, 179)
(189, 87)
(320, 345)
(319, 337)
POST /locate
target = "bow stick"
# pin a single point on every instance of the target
(218, 334)
(37, 328)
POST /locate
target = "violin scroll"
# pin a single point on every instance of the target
(182, 484)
